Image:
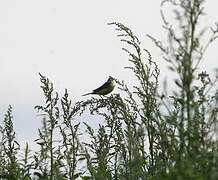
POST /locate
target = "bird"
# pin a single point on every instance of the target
(105, 89)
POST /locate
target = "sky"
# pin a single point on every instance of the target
(70, 42)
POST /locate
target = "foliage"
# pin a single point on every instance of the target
(146, 133)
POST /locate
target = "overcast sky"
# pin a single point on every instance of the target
(70, 42)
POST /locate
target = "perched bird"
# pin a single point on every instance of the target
(105, 89)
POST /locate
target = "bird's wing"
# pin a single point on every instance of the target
(105, 85)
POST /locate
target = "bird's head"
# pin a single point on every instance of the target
(111, 80)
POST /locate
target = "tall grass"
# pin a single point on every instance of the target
(146, 134)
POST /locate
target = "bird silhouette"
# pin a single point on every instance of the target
(105, 89)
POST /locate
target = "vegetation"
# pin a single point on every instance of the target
(147, 133)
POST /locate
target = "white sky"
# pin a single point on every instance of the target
(70, 42)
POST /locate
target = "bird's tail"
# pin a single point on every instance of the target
(86, 94)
